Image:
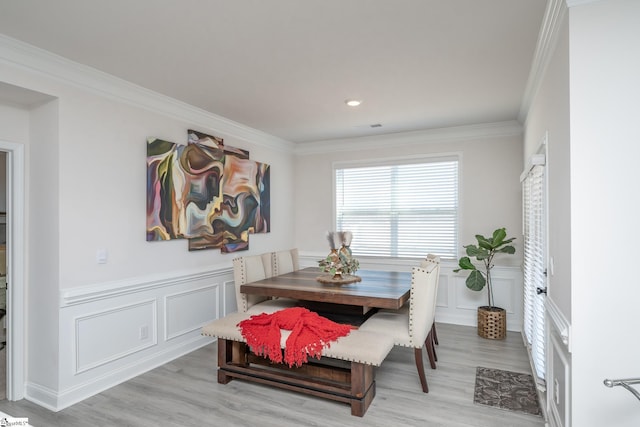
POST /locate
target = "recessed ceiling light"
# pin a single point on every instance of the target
(353, 102)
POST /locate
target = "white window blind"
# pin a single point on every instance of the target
(534, 266)
(400, 210)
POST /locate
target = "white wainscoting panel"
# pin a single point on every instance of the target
(465, 300)
(559, 366)
(111, 332)
(442, 299)
(229, 297)
(189, 310)
(97, 342)
(462, 305)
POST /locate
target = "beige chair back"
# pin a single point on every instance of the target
(424, 289)
(285, 262)
(431, 258)
(249, 269)
(267, 265)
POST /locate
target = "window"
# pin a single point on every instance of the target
(533, 192)
(404, 209)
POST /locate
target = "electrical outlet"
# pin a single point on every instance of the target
(144, 332)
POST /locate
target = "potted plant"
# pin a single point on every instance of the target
(491, 319)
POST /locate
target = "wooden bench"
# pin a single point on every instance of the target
(345, 373)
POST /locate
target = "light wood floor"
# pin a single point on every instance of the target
(185, 393)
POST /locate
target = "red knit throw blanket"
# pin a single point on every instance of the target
(310, 333)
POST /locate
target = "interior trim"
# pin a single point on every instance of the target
(547, 39)
(559, 322)
(31, 58)
(91, 293)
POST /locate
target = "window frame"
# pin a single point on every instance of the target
(396, 161)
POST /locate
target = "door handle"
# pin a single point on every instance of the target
(541, 291)
(626, 383)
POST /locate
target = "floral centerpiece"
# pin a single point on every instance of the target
(339, 262)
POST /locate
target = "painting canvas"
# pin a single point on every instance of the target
(245, 201)
(211, 194)
(245, 206)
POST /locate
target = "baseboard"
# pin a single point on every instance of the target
(471, 319)
(58, 401)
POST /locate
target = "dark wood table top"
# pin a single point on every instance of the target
(379, 289)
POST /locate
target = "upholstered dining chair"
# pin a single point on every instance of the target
(283, 262)
(286, 261)
(412, 327)
(249, 269)
(431, 258)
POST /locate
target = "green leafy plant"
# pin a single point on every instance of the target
(484, 252)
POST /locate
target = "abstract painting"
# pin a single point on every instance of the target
(203, 191)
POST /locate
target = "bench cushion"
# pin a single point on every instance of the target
(364, 347)
(394, 323)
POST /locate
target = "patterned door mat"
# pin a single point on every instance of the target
(512, 391)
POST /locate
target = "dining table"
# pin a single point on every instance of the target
(349, 301)
(348, 375)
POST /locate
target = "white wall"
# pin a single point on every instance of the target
(14, 126)
(14, 123)
(103, 190)
(86, 189)
(43, 247)
(587, 103)
(605, 65)
(490, 167)
(548, 119)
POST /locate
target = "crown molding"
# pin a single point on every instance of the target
(450, 134)
(30, 58)
(547, 40)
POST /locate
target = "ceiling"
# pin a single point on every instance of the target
(286, 67)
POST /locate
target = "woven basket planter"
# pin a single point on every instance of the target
(492, 323)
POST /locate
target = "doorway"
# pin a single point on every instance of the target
(21, 117)
(13, 321)
(3, 275)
